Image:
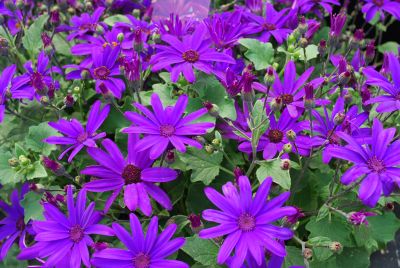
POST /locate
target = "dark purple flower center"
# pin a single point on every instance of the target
(246, 222)
(141, 261)
(287, 98)
(191, 56)
(131, 174)
(275, 135)
(20, 224)
(269, 26)
(376, 165)
(167, 130)
(379, 3)
(76, 233)
(37, 81)
(101, 73)
(82, 137)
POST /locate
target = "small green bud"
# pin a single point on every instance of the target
(24, 160)
(291, 135)
(120, 37)
(339, 118)
(76, 90)
(290, 48)
(13, 162)
(336, 247)
(216, 142)
(303, 42)
(285, 163)
(209, 148)
(287, 148)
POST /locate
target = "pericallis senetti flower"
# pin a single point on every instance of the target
(371, 7)
(142, 251)
(165, 126)
(65, 239)
(360, 217)
(247, 221)
(13, 224)
(377, 161)
(77, 136)
(134, 174)
(181, 56)
(5, 82)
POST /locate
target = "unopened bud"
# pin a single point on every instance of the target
(170, 157)
(303, 26)
(99, 246)
(269, 77)
(344, 78)
(348, 98)
(335, 246)
(44, 100)
(209, 148)
(216, 142)
(69, 100)
(13, 162)
(287, 148)
(120, 37)
(200, 140)
(195, 223)
(276, 104)
(291, 135)
(285, 163)
(237, 172)
(24, 160)
(212, 109)
(76, 90)
(339, 118)
(322, 47)
(307, 253)
(303, 42)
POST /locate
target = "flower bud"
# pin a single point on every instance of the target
(212, 109)
(370, 52)
(287, 148)
(79, 180)
(335, 246)
(69, 100)
(55, 17)
(285, 163)
(120, 37)
(303, 26)
(200, 140)
(216, 142)
(339, 118)
(209, 148)
(348, 98)
(276, 104)
(237, 172)
(46, 40)
(53, 165)
(307, 253)
(195, 223)
(269, 77)
(13, 162)
(322, 47)
(44, 100)
(291, 135)
(303, 42)
(170, 157)
(98, 246)
(344, 78)
(76, 90)
(23, 160)
(309, 96)
(85, 74)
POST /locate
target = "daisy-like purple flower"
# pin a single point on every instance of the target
(391, 101)
(360, 217)
(5, 82)
(291, 92)
(326, 128)
(247, 221)
(13, 225)
(165, 126)
(134, 174)
(106, 72)
(306, 6)
(36, 82)
(83, 26)
(77, 136)
(371, 7)
(275, 137)
(273, 24)
(377, 161)
(142, 251)
(182, 56)
(62, 239)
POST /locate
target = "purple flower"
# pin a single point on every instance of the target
(306, 6)
(106, 72)
(5, 82)
(83, 26)
(65, 239)
(13, 225)
(142, 251)
(371, 7)
(290, 92)
(78, 136)
(175, 26)
(192, 52)
(255, 6)
(337, 24)
(360, 217)
(326, 128)
(273, 24)
(166, 126)
(376, 161)
(35, 82)
(134, 174)
(247, 222)
(391, 101)
(275, 137)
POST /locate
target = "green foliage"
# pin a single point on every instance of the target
(335, 228)
(8, 175)
(35, 137)
(205, 167)
(203, 251)
(261, 54)
(32, 208)
(32, 39)
(116, 18)
(389, 47)
(273, 168)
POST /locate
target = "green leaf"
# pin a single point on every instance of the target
(32, 40)
(62, 46)
(19, 150)
(196, 200)
(383, 227)
(261, 54)
(273, 168)
(38, 171)
(210, 89)
(164, 91)
(321, 247)
(116, 18)
(7, 174)
(205, 167)
(35, 137)
(354, 258)
(181, 221)
(311, 52)
(260, 123)
(201, 250)
(322, 213)
(337, 229)
(293, 257)
(33, 210)
(11, 259)
(389, 47)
